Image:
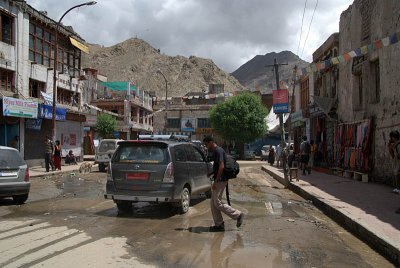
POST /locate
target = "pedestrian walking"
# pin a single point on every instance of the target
(271, 155)
(57, 156)
(218, 187)
(278, 155)
(394, 151)
(305, 150)
(48, 149)
(313, 153)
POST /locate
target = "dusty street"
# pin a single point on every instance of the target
(67, 223)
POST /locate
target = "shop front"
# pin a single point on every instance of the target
(14, 111)
(298, 125)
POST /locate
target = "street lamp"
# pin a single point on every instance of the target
(56, 64)
(166, 95)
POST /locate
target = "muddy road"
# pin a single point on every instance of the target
(67, 223)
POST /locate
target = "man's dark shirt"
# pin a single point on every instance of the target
(218, 156)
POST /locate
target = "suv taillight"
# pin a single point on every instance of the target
(26, 175)
(169, 174)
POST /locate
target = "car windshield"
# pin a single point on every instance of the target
(142, 153)
(106, 146)
(10, 158)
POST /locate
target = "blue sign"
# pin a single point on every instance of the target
(46, 111)
(281, 108)
(116, 134)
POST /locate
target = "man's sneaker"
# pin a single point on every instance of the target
(396, 191)
(239, 220)
(217, 228)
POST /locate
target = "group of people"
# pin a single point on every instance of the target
(305, 156)
(53, 155)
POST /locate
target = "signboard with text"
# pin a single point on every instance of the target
(188, 124)
(280, 100)
(19, 108)
(46, 111)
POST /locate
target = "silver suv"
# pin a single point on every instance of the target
(157, 172)
(14, 175)
(104, 153)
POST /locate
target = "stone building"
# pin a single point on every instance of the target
(27, 54)
(368, 86)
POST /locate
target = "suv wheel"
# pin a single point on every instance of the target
(20, 199)
(102, 167)
(185, 200)
(124, 206)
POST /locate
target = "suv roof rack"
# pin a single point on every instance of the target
(165, 137)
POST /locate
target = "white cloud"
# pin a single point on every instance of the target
(230, 32)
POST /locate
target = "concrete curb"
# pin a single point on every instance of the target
(365, 234)
(54, 173)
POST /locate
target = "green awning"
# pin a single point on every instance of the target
(119, 85)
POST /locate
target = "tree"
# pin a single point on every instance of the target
(106, 125)
(240, 118)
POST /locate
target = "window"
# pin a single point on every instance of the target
(203, 123)
(41, 51)
(6, 29)
(377, 80)
(304, 93)
(35, 87)
(180, 154)
(6, 80)
(174, 123)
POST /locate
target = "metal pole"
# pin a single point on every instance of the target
(166, 99)
(276, 67)
(56, 63)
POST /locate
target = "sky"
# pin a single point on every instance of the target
(229, 32)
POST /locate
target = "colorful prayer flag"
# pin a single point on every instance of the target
(385, 41)
(341, 59)
(309, 70)
(378, 44)
(327, 63)
(346, 56)
(358, 51)
(352, 54)
(370, 48)
(364, 50)
(393, 38)
(335, 61)
(318, 66)
(313, 67)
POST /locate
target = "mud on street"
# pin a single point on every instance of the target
(66, 222)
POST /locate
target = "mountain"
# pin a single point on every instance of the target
(135, 60)
(257, 74)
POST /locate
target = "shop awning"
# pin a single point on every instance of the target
(118, 85)
(79, 45)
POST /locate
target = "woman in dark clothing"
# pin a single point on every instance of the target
(57, 155)
(271, 155)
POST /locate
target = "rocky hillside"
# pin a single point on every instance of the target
(254, 73)
(135, 60)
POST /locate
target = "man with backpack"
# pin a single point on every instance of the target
(218, 187)
(305, 151)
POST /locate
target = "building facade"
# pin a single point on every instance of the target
(368, 91)
(26, 72)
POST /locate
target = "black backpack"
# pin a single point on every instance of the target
(232, 168)
(307, 148)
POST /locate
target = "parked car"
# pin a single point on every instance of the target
(104, 152)
(157, 171)
(14, 175)
(264, 153)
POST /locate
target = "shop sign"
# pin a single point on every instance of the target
(35, 124)
(188, 124)
(46, 112)
(280, 100)
(19, 108)
(204, 130)
(296, 116)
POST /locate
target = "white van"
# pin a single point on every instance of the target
(104, 152)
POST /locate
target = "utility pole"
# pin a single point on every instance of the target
(281, 125)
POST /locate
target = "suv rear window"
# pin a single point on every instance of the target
(106, 146)
(10, 158)
(142, 153)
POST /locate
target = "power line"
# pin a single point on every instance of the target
(309, 27)
(301, 28)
